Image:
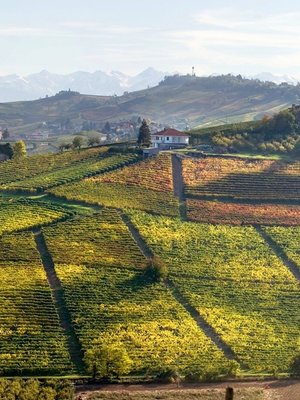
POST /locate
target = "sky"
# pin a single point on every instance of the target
(63, 36)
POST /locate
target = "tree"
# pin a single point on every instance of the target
(108, 360)
(5, 134)
(295, 366)
(62, 146)
(297, 148)
(94, 139)
(156, 269)
(7, 150)
(19, 149)
(78, 142)
(107, 127)
(144, 137)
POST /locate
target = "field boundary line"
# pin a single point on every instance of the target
(201, 322)
(204, 326)
(143, 246)
(58, 297)
(290, 264)
(178, 185)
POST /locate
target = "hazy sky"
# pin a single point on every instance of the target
(63, 36)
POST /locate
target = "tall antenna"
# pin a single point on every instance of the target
(193, 71)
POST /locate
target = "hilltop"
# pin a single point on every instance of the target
(177, 100)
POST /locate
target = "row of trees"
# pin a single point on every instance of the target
(80, 141)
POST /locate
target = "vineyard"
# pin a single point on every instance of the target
(153, 173)
(147, 185)
(15, 170)
(216, 212)
(75, 282)
(236, 283)
(288, 240)
(110, 300)
(241, 179)
(24, 214)
(31, 339)
(100, 240)
(72, 172)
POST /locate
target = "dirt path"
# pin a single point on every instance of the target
(145, 249)
(273, 389)
(59, 301)
(202, 324)
(177, 177)
(291, 265)
(178, 185)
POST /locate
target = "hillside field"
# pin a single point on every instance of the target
(82, 233)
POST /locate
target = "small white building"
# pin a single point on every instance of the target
(169, 138)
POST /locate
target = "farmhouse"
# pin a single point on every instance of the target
(169, 138)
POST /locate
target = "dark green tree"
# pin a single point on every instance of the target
(144, 137)
(7, 150)
(107, 127)
(78, 142)
(5, 134)
(156, 269)
(295, 366)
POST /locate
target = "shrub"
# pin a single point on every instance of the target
(295, 366)
(156, 269)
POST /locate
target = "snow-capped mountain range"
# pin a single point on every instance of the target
(34, 86)
(268, 76)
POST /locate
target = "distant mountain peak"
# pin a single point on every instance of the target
(37, 85)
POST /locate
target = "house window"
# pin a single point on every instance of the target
(157, 138)
(167, 138)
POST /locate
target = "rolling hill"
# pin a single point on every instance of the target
(187, 100)
(82, 236)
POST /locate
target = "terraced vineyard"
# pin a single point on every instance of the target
(154, 174)
(75, 171)
(145, 186)
(288, 240)
(111, 300)
(241, 178)
(237, 191)
(242, 213)
(15, 170)
(31, 338)
(25, 214)
(231, 298)
(237, 284)
(99, 240)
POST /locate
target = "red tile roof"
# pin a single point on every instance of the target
(170, 132)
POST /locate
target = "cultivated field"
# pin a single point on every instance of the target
(226, 230)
